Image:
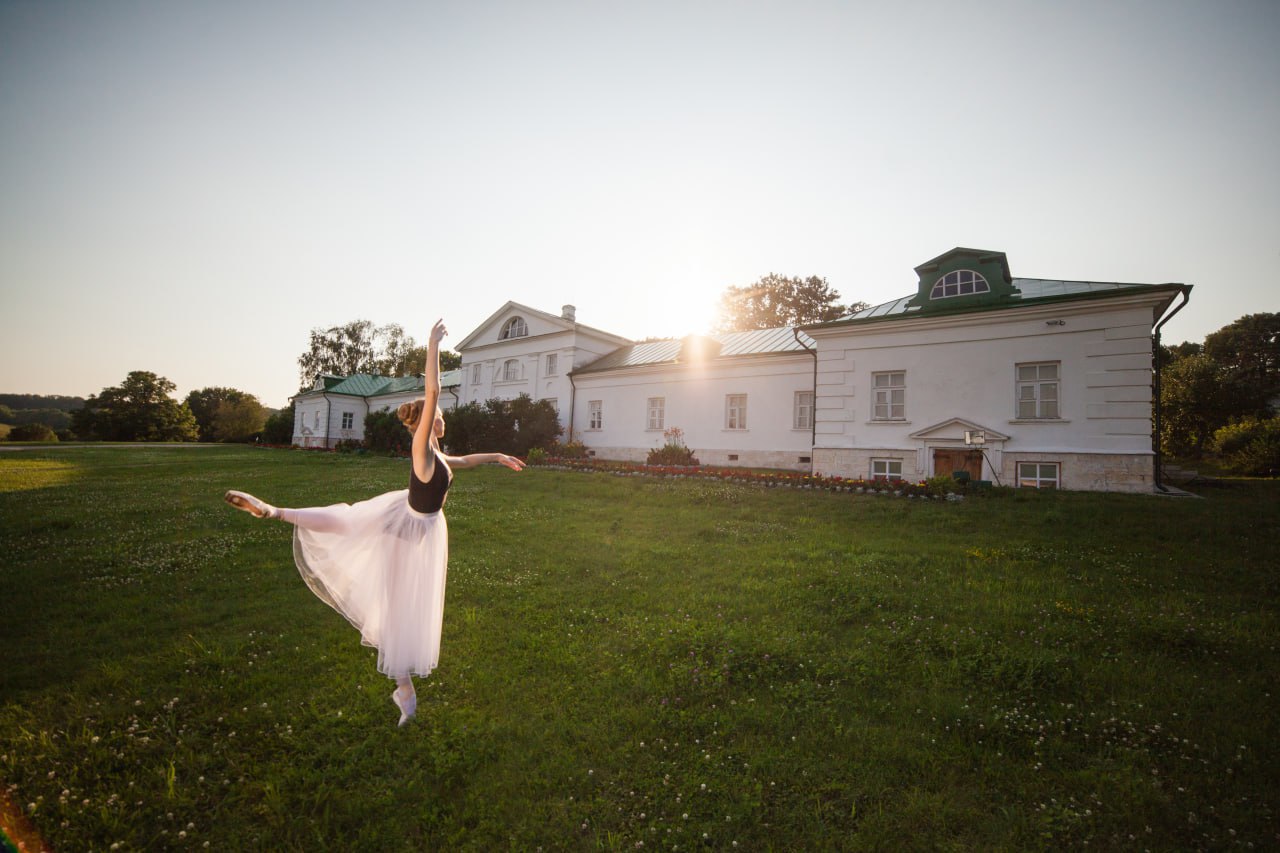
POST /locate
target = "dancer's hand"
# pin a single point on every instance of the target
(438, 331)
(511, 462)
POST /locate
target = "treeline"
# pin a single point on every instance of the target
(141, 409)
(54, 411)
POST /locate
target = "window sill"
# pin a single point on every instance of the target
(889, 423)
(1040, 421)
(730, 429)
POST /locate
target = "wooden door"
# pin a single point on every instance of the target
(946, 461)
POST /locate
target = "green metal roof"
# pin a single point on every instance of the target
(1028, 291)
(370, 385)
(730, 344)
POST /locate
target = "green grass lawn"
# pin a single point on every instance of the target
(635, 663)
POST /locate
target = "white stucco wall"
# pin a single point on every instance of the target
(964, 367)
(695, 401)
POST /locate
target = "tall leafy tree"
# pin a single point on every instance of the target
(361, 347)
(278, 428)
(204, 405)
(776, 300)
(239, 420)
(138, 409)
(1249, 351)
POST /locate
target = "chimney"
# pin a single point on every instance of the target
(569, 313)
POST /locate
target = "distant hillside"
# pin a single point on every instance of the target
(41, 401)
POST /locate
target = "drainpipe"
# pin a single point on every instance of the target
(328, 417)
(1155, 388)
(813, 414)
(573, 399)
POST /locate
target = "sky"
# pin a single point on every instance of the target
(189, 188)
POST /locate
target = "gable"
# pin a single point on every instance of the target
(514, 321)
(954, 430)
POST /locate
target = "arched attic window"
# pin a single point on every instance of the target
(514, 328)
(959, 283)
(511, 370)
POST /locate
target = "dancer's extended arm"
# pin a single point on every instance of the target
(471, 460)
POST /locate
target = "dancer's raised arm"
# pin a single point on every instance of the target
(424, 462)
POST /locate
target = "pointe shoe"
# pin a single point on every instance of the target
(408, 707)
(250, 504)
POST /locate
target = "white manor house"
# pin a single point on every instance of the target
(1025, 382)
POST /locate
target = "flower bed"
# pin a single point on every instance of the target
(767, 479)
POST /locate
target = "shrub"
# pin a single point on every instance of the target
(32, 432)
(384, 433)
(569, 450)
(279, 427)
(1251, 446)
(673, 451)
(505, 426)
(536, 456)
(943, 484)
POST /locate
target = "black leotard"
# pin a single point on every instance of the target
(429, 496)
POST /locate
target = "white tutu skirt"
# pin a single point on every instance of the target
(383, 568)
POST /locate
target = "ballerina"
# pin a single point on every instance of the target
(382, 562)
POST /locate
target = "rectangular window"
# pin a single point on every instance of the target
(886, 469)
(889, 396)
(735, 411)
(553, 364)
(595, 410)
(348, 420)
(555, 403)
(317, 424)
(1038, 475)
(803, 411)
(475, 374)
(657, 413)
(1038, 390)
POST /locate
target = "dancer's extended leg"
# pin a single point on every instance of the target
(320, 519)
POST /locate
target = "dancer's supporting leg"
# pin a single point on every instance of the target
(405, 698)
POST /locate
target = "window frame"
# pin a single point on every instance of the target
(732, 408)
(1039, 481)
(514, 328)
(348, 420)
(553, 364)
(942, 285)
(889, 404)
(508, 370)
(595, 414)
(887, 476)
(801, 411)
(658, 405)
(475, 374)
(1036, 386)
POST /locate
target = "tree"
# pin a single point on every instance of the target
(1195, 401)
(775, 301)
(239, 420)
(279, 427)
(204, 405)
(361, 347)
(139, 409)
(1249, 352)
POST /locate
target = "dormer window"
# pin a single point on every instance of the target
(959, 283)
(515, 328)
